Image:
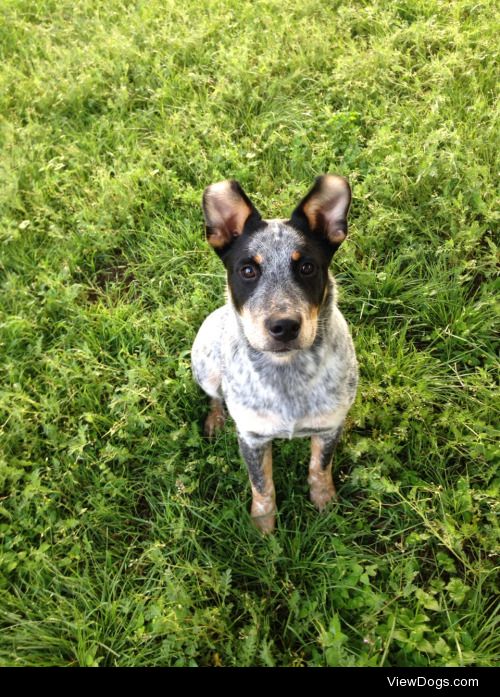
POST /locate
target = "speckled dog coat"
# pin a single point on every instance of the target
(278, 354)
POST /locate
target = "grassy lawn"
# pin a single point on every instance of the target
(125, 536)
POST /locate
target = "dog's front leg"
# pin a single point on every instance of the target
(259, 461)
(320, 469)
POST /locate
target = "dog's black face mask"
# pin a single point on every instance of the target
(278, 269)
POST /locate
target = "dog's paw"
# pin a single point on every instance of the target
(214, 422)
(265, 523)
(322, 496)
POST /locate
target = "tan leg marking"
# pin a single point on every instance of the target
(263, 509)
(215, 419)
(320, 479)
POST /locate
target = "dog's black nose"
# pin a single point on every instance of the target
(283, 328)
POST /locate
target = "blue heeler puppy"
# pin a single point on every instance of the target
(279, 353)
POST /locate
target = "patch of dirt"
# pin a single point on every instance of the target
(112, 270)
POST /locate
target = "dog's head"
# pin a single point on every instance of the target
(277, 270)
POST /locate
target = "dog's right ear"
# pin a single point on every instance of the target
(227, 210)
(323, 211)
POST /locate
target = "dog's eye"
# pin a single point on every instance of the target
(307, 269)
(248, 272)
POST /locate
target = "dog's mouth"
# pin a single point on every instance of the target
(282, 350)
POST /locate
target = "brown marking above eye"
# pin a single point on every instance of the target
(258, 259)
(296, 255)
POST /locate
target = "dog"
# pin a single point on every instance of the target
(279, 353)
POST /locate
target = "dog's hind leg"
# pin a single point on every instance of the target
(258, 459)
(215, 419)
(320, 480)
(206, 365)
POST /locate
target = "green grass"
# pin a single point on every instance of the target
(126, 538)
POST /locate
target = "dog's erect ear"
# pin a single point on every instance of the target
(324, 210)
(227, 209)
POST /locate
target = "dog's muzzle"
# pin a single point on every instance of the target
(283, 329)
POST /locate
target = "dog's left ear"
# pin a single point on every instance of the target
(228, 211)
(323, 211)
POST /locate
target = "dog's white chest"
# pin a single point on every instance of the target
(273, 424)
